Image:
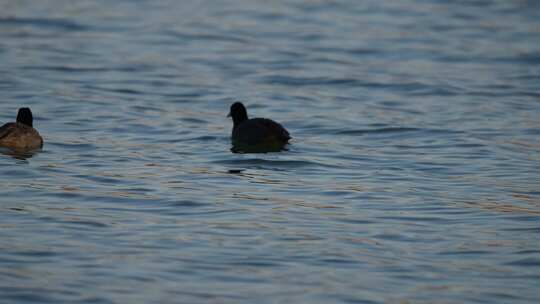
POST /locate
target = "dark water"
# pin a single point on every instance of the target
(413, 175)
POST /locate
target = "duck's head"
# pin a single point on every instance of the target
(238, 113)
(24, 116)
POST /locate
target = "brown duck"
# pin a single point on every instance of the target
(20, 135)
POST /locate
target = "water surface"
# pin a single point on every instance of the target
(412, 176)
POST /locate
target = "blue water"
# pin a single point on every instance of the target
(413, 175)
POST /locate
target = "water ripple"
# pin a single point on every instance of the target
(57, 24)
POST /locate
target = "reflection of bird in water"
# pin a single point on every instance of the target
(20, 135)
(256, 135)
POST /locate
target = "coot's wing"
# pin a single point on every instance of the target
(260, 130)
(275, 129)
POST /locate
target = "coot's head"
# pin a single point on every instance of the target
(25, 117)
(238, 113)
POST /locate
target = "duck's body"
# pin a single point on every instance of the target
(21, 135)
(256, 134)
(259, 130)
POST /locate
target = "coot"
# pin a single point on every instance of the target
(256, 134)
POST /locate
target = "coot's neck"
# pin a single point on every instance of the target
(239, 118)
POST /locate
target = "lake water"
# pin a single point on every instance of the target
(413, 175)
